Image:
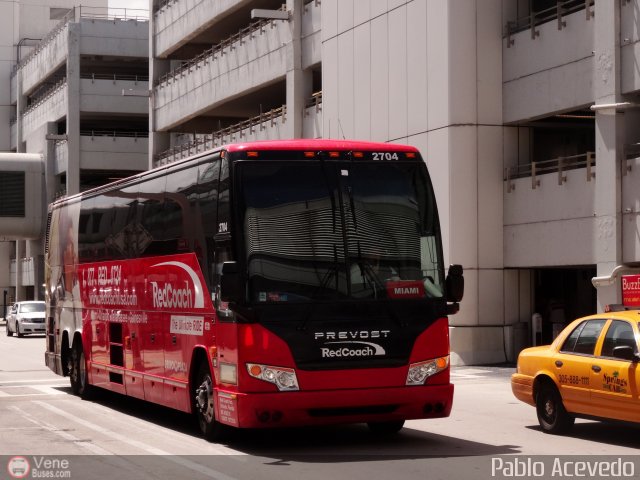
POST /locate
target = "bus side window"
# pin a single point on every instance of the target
(102, 226)
(180, 208)
(208, 208)
(151, 195)
(224, 217)
(85, 249)
(123, 241)
(222, 254)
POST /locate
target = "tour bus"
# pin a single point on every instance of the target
(260, 284)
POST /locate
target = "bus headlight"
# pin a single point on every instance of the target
(283, 378)
(419, 372)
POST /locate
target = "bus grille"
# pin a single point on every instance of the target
(347, 411)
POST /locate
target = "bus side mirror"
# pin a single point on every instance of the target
(231, 283)
(454, 284)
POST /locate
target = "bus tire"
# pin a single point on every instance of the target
(552, 415)
(386, 428)
(78, 374)
(205, 408)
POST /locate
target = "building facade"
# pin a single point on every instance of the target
(535, 188)
(525, 111)
(75, 79)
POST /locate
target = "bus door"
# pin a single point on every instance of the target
(179, 343)
(133, 356)
(152, 349)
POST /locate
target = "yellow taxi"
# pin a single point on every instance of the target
(590, 370)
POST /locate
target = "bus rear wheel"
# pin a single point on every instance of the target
(78, 374)
(205, 408)
(386, 428)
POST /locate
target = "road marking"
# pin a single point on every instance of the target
(95, 449)
(135, 443)
(56, 381)
(38, 390)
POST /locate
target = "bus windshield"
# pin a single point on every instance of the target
(334, 230)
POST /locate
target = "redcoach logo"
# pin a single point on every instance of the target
(188, 294)
(351, 350)
(169, 296)
(351, 344)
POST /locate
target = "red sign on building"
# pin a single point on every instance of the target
(631, 290)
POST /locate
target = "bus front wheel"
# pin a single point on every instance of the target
(78, 373)
(204, 406)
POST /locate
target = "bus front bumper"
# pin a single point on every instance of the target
(288, 409)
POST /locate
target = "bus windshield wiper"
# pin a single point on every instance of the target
(332, 271)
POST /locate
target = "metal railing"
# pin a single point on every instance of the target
(314, 102)
(114, 77)
(218, 49)
(204, 142)
(557, 12)
(36, 102)
(109, 13)
(557, 165)
(98, 13)
(631, 152)
(46, 39)
(113, 134)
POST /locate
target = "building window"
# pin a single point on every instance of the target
(12, 194)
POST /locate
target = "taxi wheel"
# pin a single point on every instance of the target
(204, 407)
(18, 332)
(9, 332)
(552, 415)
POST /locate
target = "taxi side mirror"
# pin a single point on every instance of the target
(626, 352)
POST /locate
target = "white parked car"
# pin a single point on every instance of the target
(26, 317)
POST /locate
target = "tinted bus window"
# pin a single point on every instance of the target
(180, 209)
(152, 220)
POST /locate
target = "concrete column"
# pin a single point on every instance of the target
(73, 109)
(36, 254)
(158, 141)
(21, 104)
(295, 75)
(20, 249)
(49, 166)
(609, 146)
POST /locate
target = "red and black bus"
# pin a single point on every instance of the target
(259, 284)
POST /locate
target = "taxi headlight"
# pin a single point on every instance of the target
(419, 372)
(283, 378)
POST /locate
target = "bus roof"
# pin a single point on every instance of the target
(319, 144)
(272, 145)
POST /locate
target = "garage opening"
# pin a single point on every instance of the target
(560, 296)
